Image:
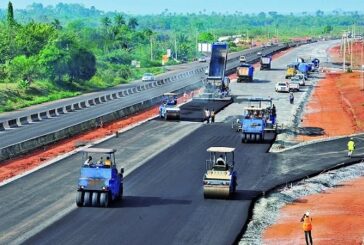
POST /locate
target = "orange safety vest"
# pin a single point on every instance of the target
(307, 224)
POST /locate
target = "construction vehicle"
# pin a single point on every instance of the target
(169, 109)
(220, 179)
(304, 68)
(217, 84)
(291, 70)
(316, 63)
(258, 118)
(245, 72)
(265, 62)
(99, 182)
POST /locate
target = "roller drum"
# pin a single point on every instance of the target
(216, 191)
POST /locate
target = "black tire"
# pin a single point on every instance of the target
(87, 199)
(79, 198)
(95, 199)
(104, 199)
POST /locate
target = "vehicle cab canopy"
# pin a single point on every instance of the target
(99, 154)
(226, 154)
(170, 98)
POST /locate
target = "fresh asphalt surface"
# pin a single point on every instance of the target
(163, 201)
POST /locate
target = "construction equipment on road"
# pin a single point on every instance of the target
(291, 70)
(265, 62)
(259, 117)
(245, 72)
(169, 109)
(220, 179)
(100, 182)
(217, 84)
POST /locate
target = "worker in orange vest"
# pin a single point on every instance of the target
(307, 227)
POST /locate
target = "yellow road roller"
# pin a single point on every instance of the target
(219, 181)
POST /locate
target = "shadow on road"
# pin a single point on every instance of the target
(138, 201)
(245, 195)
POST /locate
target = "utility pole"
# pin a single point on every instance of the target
(175, 47)
(151, 49)
(344, 56)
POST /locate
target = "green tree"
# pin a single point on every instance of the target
(119, 20)
(328, 29)
(83, 65)
(133, 23)
(23, 68)
(206, 37)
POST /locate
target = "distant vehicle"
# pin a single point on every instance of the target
(259, 53)
(282, 87)
(299, 78)
(99, 182)
(291, 70)
(245, 72)
(294, 85)
(265, 63)
(202, 59)
(242, 59)
(257, 119)
(169, 109)
(184, 60)
(148, 77)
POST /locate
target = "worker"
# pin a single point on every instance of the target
(351, 147)
(107, 163)
(274, 114)
(100, 163)
(207, 115)
(220, 160)
(291, 98)
(307, 227)
(213, 116)
(88, 161)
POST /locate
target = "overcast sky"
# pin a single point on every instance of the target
(183, 6)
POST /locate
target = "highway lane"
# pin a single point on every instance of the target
(10, 137)
(164, 201)
(31, 202)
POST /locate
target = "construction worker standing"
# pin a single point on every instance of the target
(213, 115)
(351, 147)
(307, 227)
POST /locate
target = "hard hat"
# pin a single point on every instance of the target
(307, 213)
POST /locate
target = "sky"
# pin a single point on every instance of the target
(223, 6)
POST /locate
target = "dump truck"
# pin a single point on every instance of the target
(291, 70)
(216, 86)
(245, 72)
(316, 63)
(169, 109)
(258, 118)
(99, 182)
(220, 179)
(265, 62)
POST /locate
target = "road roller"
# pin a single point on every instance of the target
(100, 182)
(220, 178)
(169, 109)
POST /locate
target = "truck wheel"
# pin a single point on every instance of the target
(258, 137)
(104, 199)
(87, 199)
(95, 199)
(79, 198)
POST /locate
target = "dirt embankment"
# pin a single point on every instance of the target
(357, 50)
(337, 106)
